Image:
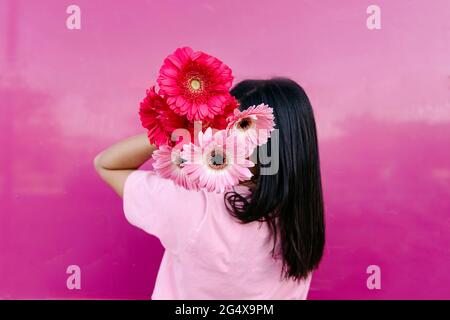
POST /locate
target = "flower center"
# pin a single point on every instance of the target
(217, 159)
(177, 160)
(195, 84)
(245, 124)
(180, 161)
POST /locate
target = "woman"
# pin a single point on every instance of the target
(260, 241)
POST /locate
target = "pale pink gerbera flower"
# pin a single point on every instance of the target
(168, 165)
(196, 84)
(254, 124)
(217, 162)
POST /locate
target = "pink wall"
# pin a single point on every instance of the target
(382, 102)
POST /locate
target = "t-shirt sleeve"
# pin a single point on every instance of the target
(161, 208)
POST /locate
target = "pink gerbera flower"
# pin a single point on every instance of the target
(217, 162)
(254, 124)
(158, 118)
(195, 83)
(168, 165)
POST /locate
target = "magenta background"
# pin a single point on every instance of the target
(381, 100)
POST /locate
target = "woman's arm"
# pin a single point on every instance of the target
(115, 163)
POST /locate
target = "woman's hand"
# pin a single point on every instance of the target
(116, 162)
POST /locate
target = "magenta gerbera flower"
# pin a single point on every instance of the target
(158, 118)
(254, 124)
(217, 162)
(168, 165)
(196, 84)
(220, 121)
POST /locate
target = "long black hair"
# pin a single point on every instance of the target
(290, 200)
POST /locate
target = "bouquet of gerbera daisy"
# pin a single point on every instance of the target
(194, 96)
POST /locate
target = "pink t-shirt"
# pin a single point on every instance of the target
(209, 255)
